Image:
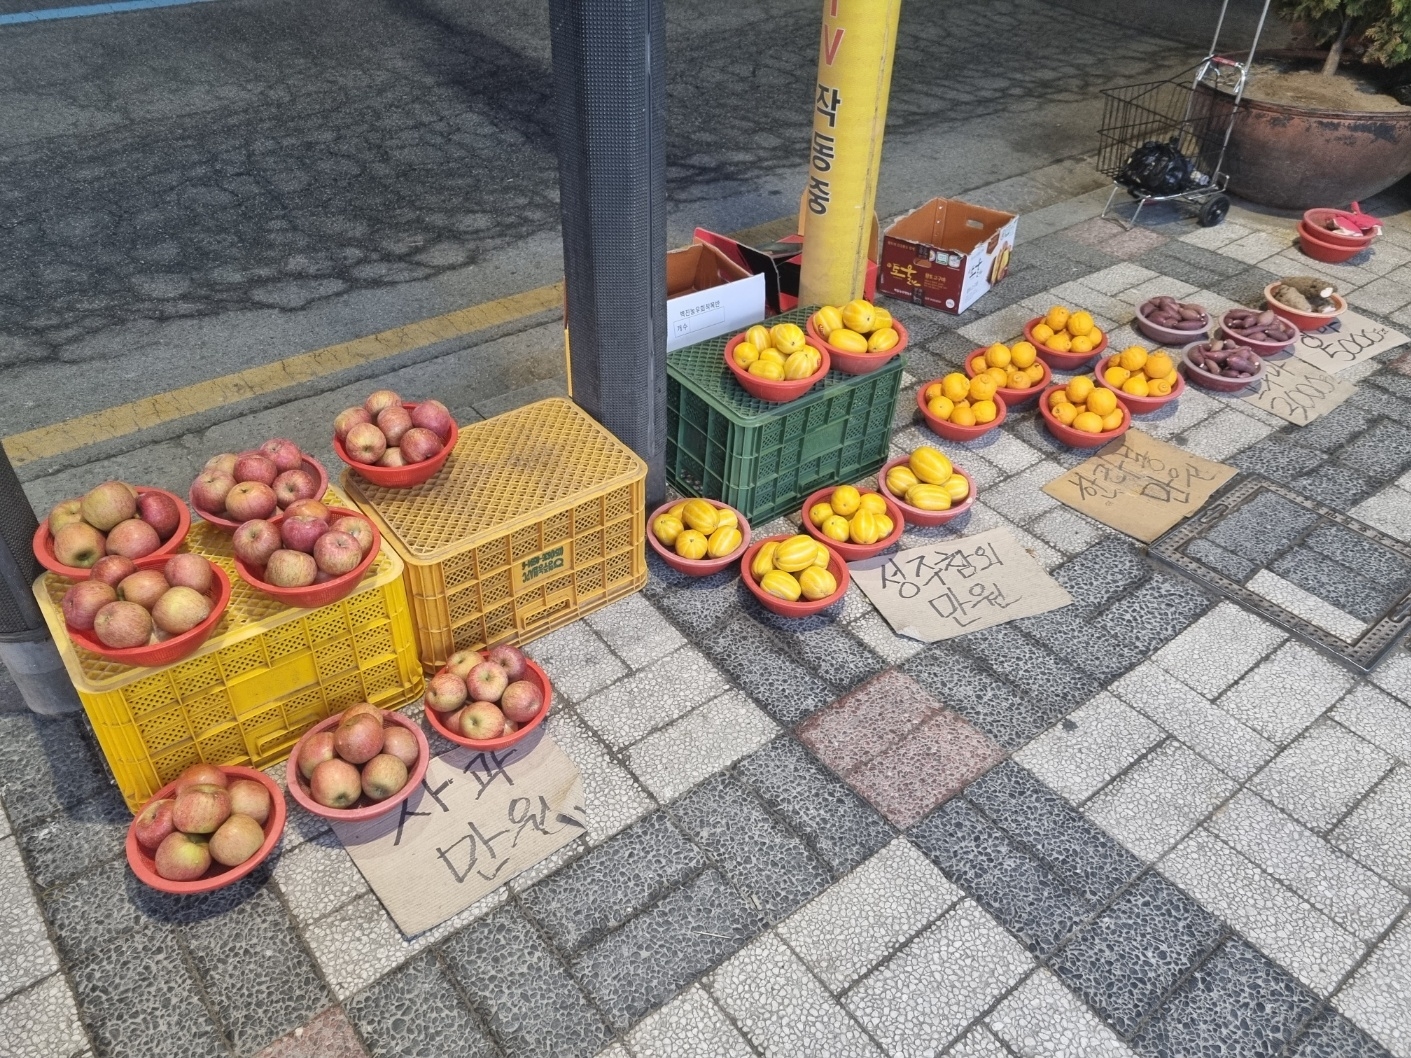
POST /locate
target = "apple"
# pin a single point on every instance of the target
(383, 776)
(108, 504)
(144, 588)
(360, 529)
(317, 749)
(391, 458)
(80, 545)
(365, 443)
(393, 422)
(336, 784)
(309, 508)
(419, 445)
(154, 823)
(82, 602)
(462, 661)
(256, 466)
(209, 490)
(359, 740)
(510, 658)
(225, 463)
(121, 625)
(294, 485)
(255, 541)
(201, 775)
(250, 798)
(300, 533)
(361, 709)
(382, 398)
(180, 610)
(337, 553)
(283, 453)
(482, 720)
(250, 499)
(236, 840)
(290, 569)
(521, 701)
(445, 692)
(347, 419)
(510, 726)
(111, 569)
(183, 857)
(189, 571)
(133, 538)
(434, 416)
(66, 513)
(402, 744)
(201, 809)
(486, 682)
(159, 511)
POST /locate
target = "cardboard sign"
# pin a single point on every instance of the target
(1348, 340)
(1298, 391)
(945, 590)
(1139, 485)
(479, 819)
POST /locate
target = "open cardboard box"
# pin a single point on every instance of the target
(947, 253)
(708, 294)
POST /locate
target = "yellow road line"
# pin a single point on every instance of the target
(85, 430)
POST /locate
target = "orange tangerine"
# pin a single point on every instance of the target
(1115, 376)
(1088, 422)
(1079, 388)
(1042, 332)
(1056, 317)
(963, 416)
(985, 411)
(1081, 344)
(1060, 342)
(1102, 401)
(998, 355)
(1136, 386)
(1057, 397)
(982, 387)
(1080, 323)
(1112, 420)
(955, 386)
(940, 407)
(934, 390)
(979, 364)
(1065, 413)
(1022, 354)
(1158, 364)
(1133, 358)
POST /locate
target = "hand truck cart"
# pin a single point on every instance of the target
(1163, 141)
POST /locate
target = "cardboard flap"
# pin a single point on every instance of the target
(699, 266)
(752, 260)
(949, 224)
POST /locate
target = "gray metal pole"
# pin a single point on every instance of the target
(610, 87)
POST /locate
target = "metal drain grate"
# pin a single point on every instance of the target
(1333, 581)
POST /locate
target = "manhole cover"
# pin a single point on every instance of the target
(1335, 582)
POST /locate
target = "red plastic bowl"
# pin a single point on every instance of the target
(949, 430)
(1138, 405)
(804, 607)
(220, 521)
(1219, 383)
(854, 552)
(1262, 348)
(535, 675)
(1056, 358)
(1304, 321)
(1321, 249)
(314, 595)
(766, 389)
(173, 649)
(915, 515)
(1077, 438)
(856, 363)
(43, 542)
(218, 876)
(1012, 397)
(697, 567)
(299, 787)
(1169, 335)
(1313, 220)
(402, 477)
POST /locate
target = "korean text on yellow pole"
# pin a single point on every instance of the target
(845, 151)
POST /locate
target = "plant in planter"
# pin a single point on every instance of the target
(1379, 30)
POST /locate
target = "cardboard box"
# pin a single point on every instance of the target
(947, 253)
(708, 294)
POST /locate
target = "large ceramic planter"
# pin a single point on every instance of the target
(1296, 157)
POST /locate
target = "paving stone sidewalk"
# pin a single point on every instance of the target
(1151, 823)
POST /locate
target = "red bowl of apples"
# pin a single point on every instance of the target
(81, 538)
(350, 770)
(498, 693)
(284, 557)
(422, 436)
(234, 487)
(233, 817)
(181, 596)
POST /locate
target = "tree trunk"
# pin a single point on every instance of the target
(1330, 64)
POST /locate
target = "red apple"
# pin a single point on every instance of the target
(486, 682)
(293, 486)
(462, 661)
(521, 701)
(121, 625)
(337, 553)
(360, 529)
(209, 490)
(180, 610)
(391, 458)
(236, 840)
(445, 692)
(160, 512)
(201, 775)
(419, 445)
(256, 467)
(133, 538)
(336, 784)
(300, 533)
(189, 571)
(361, 709)
(144, 588)
(254, 541)
(201, 809)
(308, 509)
(402, 744)
(317, 749)
(393, 422)
(365, 443)
(347, 419)
(434, 416)
(283, 453)
(510, 658)
(383, 776)
(225, 463)
(290, 569)
(251, 499)
(80, 545)
(250, 798)
(183, 857)
(108, 504)
(154, 823)
(482, 720)
(111, 569)
(66, 513)
(82, 602)
(382, 398)
(360, 740)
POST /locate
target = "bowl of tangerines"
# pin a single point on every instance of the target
(1065, 340)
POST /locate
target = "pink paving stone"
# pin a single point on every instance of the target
(330, 1035)
(1402, 364)
(1134, 243)
(1096, 232)
(931, 765)
(867, 720)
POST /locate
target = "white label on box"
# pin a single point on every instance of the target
(706, 314)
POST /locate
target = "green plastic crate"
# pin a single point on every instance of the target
(763, 459)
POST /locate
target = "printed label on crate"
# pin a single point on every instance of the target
(1139, 485)
(945, 590)
(479, 819)
(529, 572)
(1348, 340)
(1298, 392)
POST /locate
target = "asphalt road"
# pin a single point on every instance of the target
(193, 190)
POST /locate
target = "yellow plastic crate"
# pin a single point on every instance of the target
(536, 519)
(268, 673)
